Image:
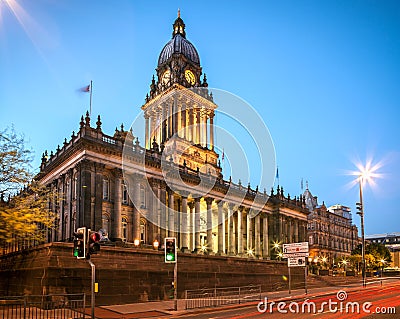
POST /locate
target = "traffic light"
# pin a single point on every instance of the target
(80, 243)
(94, 246)
(170, 249)
(359, 208)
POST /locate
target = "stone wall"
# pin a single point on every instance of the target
(128, 275)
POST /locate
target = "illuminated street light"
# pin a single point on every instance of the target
(365, 175)
(136, 242)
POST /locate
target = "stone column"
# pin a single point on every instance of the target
(191, 227)
(163, 213)
(198, 123)
(184, 230)
(240, 231)
(257, 236)
(296, 231)
(146, 131)
(210, 246)
(171, 215)
(183, 122)
(265, 252)
(171, 120)
(191, 126)
(136, 211)
(249, 232)
(221, 230)
(231, 226)
(117, 207)
(212, 131)
(197, 245)
(156, 213)
(204, 130)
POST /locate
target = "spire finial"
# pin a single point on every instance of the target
(179, 13)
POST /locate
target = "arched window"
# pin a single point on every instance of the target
(124, 194)
(124, 228)
(142, 230)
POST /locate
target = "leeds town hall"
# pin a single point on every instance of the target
(172, 183)
(138, 192)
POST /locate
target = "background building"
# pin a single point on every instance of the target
(331, 234)
(391, 241)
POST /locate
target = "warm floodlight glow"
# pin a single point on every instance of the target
(276, 245)
(250, 252)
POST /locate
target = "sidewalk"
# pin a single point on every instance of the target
(158, 309)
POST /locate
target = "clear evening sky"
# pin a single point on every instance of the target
(324, 75)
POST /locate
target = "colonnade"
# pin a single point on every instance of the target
(185, 119)
(206, 224)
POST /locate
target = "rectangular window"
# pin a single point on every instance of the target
(124, 194)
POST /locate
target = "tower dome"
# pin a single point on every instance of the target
(179, 45)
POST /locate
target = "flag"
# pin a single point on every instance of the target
(223, 154)
(85, 88)
(301, 184)
(277, 173)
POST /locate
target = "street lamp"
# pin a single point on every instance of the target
(360, 211)
(365, 174)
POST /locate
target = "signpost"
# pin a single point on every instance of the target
(296, 254)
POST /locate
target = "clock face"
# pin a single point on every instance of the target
(189, 76)
(166, 77)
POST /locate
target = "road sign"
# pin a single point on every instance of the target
(296, 261)
(295, 248)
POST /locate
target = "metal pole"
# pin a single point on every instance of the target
(362, 234)
(289, 281)
(92, 287)
(90, 106)
(176, 285)
(305, 278)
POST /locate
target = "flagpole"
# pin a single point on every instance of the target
(90, 105)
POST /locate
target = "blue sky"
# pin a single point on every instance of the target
(324, 76)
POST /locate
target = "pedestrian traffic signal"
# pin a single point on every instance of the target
(94, 245)
(80, 243)
(170, 250)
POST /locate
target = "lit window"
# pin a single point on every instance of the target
(142, 231)
(124, 224)
(124, 194)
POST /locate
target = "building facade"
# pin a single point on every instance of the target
(171, 184)
(391, 241)
(331, 234)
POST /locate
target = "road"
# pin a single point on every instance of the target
(371, 302)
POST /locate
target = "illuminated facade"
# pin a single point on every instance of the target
(134, 200)
(331, 233)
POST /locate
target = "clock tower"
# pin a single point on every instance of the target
(179, 109)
